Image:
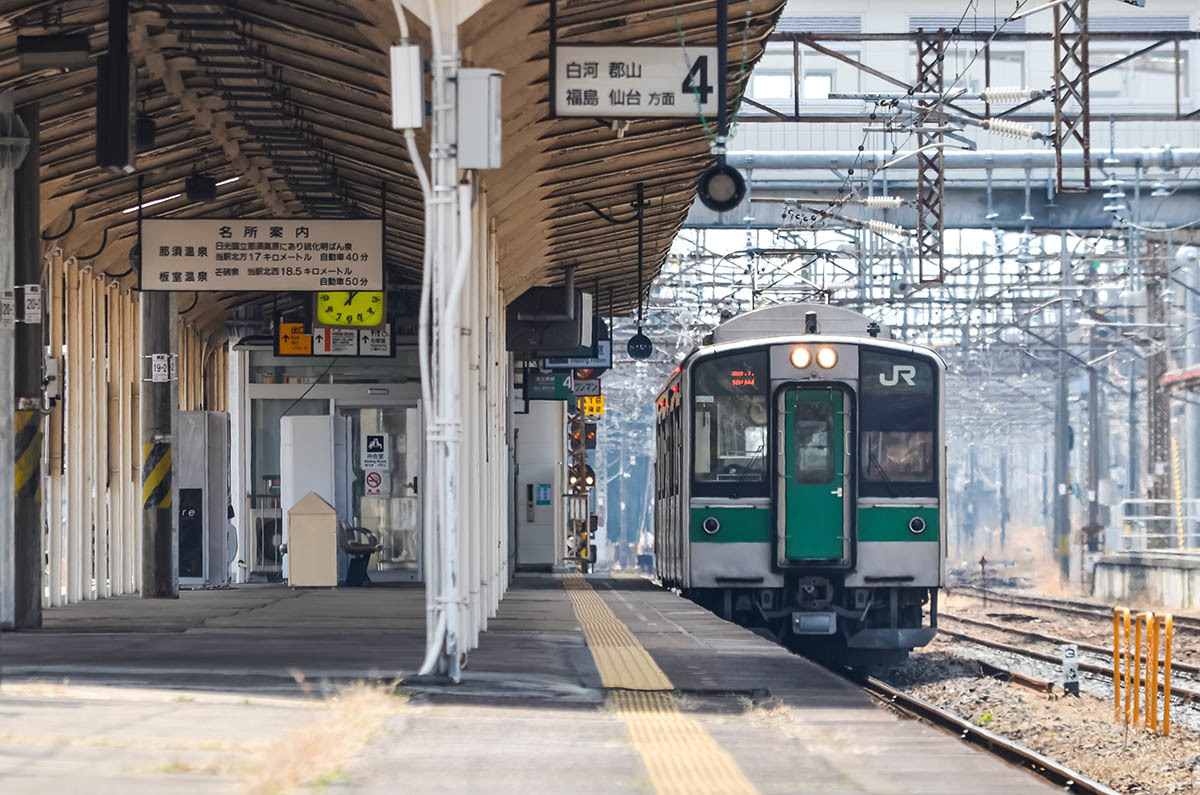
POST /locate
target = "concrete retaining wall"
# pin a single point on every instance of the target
(1167, 579)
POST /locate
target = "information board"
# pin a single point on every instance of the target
(592, 405)
(630, 81)
(376, 453)
(290, 340)
(600, 362)
(547, 386)
(252, 254)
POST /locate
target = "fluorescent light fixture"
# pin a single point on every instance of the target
(151, 203)
(227, 181)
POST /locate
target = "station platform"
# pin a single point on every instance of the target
(580, 684)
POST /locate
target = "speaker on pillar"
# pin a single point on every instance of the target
(116, 131)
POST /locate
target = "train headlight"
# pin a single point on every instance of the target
(916, 525)
(711, 525)
(826, 358)
(801, 357)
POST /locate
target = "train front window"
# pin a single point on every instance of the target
(897, 425)
(812, 424)
(730, 400)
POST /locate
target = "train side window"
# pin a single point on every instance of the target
(812, 425)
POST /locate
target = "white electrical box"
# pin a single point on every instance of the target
(408, 106)
(480, 126)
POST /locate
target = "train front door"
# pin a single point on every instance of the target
(814, 474)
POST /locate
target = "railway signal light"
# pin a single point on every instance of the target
(589, 435)
(575, 440)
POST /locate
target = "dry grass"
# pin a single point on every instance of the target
(315, 753)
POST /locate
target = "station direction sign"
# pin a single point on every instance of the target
(291, 340)
(547, 386)
(257, 254)
(598, 363)
(632, 81)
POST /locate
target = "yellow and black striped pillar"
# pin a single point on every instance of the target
(27, 520)
(28, 434)
(156, 476)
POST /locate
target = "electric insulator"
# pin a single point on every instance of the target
(883, 202)
(1011, 128)
(1006, 95)
(884, 228)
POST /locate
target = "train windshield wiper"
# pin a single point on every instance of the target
(746, 470)
(878, 466)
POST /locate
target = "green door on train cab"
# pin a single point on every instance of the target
(813, 479)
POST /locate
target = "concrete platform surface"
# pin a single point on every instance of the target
(250, 689)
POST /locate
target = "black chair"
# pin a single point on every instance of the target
(359, 543)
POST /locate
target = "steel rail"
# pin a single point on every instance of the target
(1088, 647)
(1182, 693)
(1012, 752)
(1072, 606)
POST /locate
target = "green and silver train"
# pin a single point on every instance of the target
(800, 482)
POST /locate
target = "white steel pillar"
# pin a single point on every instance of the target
(447, 261)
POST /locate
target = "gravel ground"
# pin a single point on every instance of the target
(1079, 732)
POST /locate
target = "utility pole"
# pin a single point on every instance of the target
(1189, 258)
(1158, 417)
(27, 384)
(1004, 514)
(1094, 445)
(1062, 475)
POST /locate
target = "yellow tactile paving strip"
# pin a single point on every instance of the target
(681, 757)
(621, 660)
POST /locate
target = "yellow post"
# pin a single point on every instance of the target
(1127, 619)
(1117, 662)
(1152, 672)
(1168, 626)
(1137, 666)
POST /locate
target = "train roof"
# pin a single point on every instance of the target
(800, 338)
(787, 320)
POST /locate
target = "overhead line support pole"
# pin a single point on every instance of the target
(931, 176)
(1062, 475)
(1072, 96)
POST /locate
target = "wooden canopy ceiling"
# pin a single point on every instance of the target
(291, 97)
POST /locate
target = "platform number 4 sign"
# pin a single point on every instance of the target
(696, 83)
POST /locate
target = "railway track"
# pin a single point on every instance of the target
(1176, 666)
(1012, 752)
(1077, 607)
(1180, 692)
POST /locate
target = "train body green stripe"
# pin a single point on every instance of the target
(738, 525)
(890, 523)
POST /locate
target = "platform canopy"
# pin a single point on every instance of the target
(286, 105)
